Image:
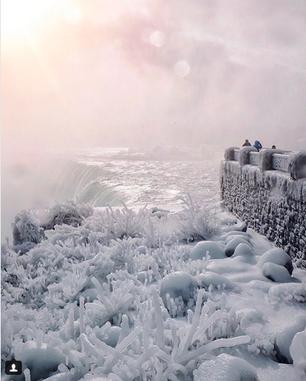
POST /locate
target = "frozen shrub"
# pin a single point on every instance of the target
(91, 292)
(67, 214)
(178, 288)
(26, 231)
(110, 224)
(122, 254)
(198, 222)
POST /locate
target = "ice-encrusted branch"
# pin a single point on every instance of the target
(216, 344)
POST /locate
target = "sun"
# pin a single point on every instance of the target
(27, 19)
(22, 18)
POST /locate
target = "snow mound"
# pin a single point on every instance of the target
(276, 273)
(232, 244)
(205, 249)
(298, 351)
(211, 280)
(284, 339)
(178, 291)
(244, 251)
(225, 368)
(277, 256)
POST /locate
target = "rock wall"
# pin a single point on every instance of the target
(270, 201)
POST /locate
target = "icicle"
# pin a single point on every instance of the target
(124, 328)
(163, 356)
(208, 323)
(106, 301)
(39, 339)
(158, 321)
(82, 310)
(195, 321)
(87, 347)
(27, 374)
(70, 323)
(175, 342)
(189, 316)
(121, 347)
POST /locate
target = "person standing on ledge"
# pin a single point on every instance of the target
(246, 143)
(258, 145)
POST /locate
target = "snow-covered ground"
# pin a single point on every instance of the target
(175, 290)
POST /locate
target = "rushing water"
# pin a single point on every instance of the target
(110, 176)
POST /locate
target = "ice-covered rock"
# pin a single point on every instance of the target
(232, 244)
(298, 351)
(277, 256)
(276, 273)
(211, 249)
(225, 368)
(40, 359)
(244, 251)
(210, 280)
(284, 339)
(237, 233)
(179, 287)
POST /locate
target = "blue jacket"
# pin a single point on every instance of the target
(257, 145)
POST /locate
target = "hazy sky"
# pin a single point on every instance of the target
(119, 72)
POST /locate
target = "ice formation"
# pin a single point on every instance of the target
(124, 295)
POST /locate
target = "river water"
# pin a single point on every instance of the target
(160, 177)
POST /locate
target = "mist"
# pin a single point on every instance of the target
(151, 72)
(144, 73)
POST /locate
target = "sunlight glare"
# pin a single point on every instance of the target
(26, 19)
(22, 18)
